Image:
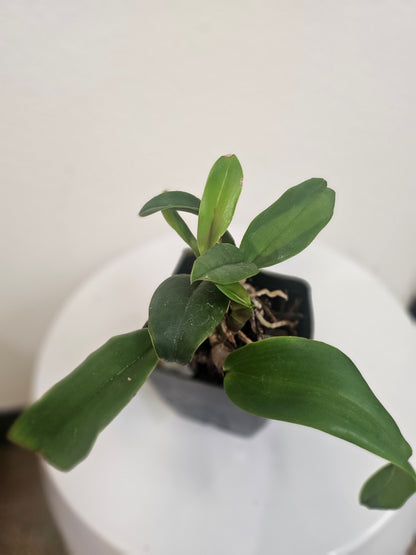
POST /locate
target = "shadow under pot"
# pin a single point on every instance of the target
(196, 390)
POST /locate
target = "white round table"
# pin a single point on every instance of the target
(156, 483)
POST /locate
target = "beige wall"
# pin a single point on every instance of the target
(104, 104)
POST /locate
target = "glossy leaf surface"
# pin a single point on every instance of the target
(389, 488)
(289, 224)
(174, 200)
(64, 423)
(223, 264)
(182, 315)
(218, 201)
(237, 293)
(311, 383)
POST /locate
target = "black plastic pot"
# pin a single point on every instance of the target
(204, 399)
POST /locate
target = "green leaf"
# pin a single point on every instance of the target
(177, 223)
(314, 384)
(65, 422)
(389, 488)
(223, 264)
(227, 238)
(290, 224)
(182, 315)
(237, 316)
(237, 293)
(174, 200)
(218, 202)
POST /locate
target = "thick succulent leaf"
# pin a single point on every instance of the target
(218, 202)
(289, 224)
(237, 293)
(181, 228)
(182, 315)
(171, 200)
(311, 383)
(223, 264)
(389, 488)
(64, 423)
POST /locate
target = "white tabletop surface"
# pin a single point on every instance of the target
(157, 483)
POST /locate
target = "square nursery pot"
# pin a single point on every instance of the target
(198, 393)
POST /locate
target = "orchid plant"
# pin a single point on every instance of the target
(285, 378)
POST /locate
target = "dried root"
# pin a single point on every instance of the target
(261, 309)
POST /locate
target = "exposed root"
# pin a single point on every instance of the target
(277, 324)
(244, 337)
(261, 309)
(272, 316)
(272, 294)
